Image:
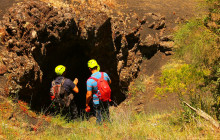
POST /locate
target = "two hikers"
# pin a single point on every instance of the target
(97, 89)
(62, 93)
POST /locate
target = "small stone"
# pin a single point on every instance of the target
(3, 69)
(160, 25)
(156, 17)
(149, 14)
(148, 41)
(143, 20)
(179, 20)
(10, 41)
(169, 52)
(120, 65)
(34, 34)
(151, 25)
(167, 44)
(68, 15)
(166, 38)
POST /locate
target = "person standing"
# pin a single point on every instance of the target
(101, 107)
(62, 93)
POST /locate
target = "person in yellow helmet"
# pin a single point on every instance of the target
(101, 108)
(65, 100)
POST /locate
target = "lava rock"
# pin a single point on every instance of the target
(3, 69)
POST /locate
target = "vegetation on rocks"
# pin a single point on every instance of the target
(196, 77)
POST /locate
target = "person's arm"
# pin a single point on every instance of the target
(76, 89)
(108, 78)
(88, 97)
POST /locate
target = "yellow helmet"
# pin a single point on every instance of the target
(93, 63)
(60, 69)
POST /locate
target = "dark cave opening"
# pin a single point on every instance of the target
(75, 61)
(74, 53)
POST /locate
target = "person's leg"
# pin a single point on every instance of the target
(105, 111)
(102, 112)
(97, 113)
(73, 110)
(56, 108)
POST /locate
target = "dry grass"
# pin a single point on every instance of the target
(124, 125)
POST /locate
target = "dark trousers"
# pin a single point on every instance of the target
(101, 112)
(69, 112)
(72, 112)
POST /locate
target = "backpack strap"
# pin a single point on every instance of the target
(102, 75)
(97, 85)
(53, 83)
(63, 80)
(94, 78)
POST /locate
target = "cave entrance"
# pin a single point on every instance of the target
(74, 53)
(74, 58)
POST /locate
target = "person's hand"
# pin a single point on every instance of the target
(87, 109)
(75, 81)
(52, 98)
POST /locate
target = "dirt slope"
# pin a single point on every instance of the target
(173, 10)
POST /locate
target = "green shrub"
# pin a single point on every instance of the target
(213, 5)
(197, 45)
(138, 86)
(183, 79)
(214, 84)
(196, 78)
(188, 82)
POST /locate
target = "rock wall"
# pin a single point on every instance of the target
(37, 36)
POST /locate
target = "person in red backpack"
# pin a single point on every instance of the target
(100, 104)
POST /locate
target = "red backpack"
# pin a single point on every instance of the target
(103, 87)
